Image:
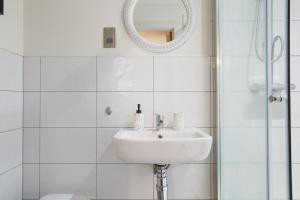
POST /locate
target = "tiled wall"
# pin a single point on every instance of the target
(11, 103)
(295, 78)
(68, 137)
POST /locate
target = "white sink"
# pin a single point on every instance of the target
(146, 146)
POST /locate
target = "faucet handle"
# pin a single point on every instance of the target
(159, 118)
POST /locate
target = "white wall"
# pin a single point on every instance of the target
(11, 26)
(70, 80)
(11, 108)
(74, 28)
(68, 137)
(11, 100)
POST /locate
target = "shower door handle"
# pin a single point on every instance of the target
(277, 99)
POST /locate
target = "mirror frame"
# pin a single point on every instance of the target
(155, 47)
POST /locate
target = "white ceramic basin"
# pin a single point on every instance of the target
(146, 146)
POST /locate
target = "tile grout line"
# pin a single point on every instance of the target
(96, 128)
(40, 116)
(23, 75)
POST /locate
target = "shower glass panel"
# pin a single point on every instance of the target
(252, 131)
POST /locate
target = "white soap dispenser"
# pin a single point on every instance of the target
(138, 122)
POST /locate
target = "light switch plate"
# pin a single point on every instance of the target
(109, 37)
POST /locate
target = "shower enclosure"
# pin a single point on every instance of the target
(253, 100)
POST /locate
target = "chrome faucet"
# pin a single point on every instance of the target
(159, 122)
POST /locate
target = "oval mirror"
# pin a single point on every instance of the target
(159, 26)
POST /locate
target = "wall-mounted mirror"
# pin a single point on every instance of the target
(159, 26)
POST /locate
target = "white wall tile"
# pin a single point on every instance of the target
(295, 111)
(279, 178)
(68, 179)
(243, 108)
(68, 109)
(121, 181)
(295, 29)
(31, 146)
(182, 73)
(11, 107)
(235, 33)
(31, 181)
(106, 153)
(32, 73)
(10, 149)
(11, 184)
(243, 138)
(248, 179)
(194, 105)
(279, 147)
(125, 73)
(237, 78)
(68, 145)
(295, 5)
(296, 145)
(123, 106)
(190, 181)
(296, 181)
(68, 73)
(11, 71)
(32, 109)
(295, 71)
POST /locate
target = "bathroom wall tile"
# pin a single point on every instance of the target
(242, 137)
(278, 181)
(237, 10)
(11, 184)
(190, 181)
(68, 109)
(296, 145)
(279, 137)
(249, 180)
(68, 179)
(68, 73)
(295, 5)
(295, 112)
(32, 73)
(31, 145)
(123, 106)
(295, 71)
(241, 106)
(295, 29)
(11, 107)
(32, 109)
(125, 73)
(243, 79)
(30, 181)
(11, 71)
(182, 73)
(235, 33)
(10, 149)
(72, 145)
(194, 105)
(296, 181)
(106, 153)
(121, 181)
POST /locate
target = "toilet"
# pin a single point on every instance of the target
(64, 197)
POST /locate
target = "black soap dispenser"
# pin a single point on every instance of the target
(138, 121)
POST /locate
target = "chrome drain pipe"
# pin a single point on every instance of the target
(161, 181)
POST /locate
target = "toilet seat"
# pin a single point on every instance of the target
(64, 197)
